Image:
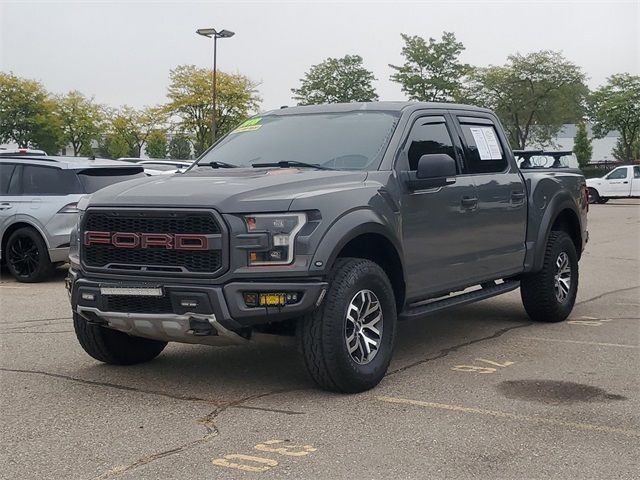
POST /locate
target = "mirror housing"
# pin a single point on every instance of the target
(434, 170)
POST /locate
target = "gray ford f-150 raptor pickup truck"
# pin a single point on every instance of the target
(327, 223)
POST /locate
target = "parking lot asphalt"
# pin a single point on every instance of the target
(474, 392)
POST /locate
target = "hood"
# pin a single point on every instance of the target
(592, 182)
(228, 190)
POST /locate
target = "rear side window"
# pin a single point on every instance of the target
(617, 174)
(428, 138)
(37, 180)
(484, 152)
(6, 170)
(93, 179)
(636, 172)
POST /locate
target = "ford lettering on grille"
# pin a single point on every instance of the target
(178, 241)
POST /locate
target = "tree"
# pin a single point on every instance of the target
(190, 100)
(180, 147)
(157, 144)
(336, 80)
(81, 120)
(582, 145)
(533, 95)
(27, 114)
(432, 71)
(134, 126)
(616, 106)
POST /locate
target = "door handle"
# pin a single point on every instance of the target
(625, 182)
(5, 206)
(469, 202)
(515, 196)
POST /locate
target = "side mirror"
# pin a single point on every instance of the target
(434, 170)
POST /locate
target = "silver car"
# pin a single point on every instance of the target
(38, 197)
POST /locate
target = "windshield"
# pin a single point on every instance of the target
(349, 141)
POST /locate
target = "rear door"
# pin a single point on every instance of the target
(635, 182)
(502, 204)
(617, 183)
(437, 223)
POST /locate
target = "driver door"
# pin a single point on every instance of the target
(617, 183)
(438, 224)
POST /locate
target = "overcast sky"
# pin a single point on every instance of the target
(121, 52)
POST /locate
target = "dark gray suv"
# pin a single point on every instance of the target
(330, 223)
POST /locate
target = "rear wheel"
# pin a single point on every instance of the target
(594, 196)
(28, 256)
(549, 295)
(347, 343)
(114, 347)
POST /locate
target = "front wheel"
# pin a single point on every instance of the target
(549, 295)
(114, 347)
(28, 256)
(594, 196)
(347, 343)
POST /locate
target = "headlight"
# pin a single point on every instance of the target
(282, 229)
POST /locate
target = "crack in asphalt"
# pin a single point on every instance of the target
(20, 322)
(446, 351)
(207, 421)
(598, 297)
(109, 385)
(18, 332)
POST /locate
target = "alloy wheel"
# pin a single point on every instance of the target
(562, 279)
(363, 327)
(23, 256)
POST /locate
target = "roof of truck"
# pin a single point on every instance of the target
(373, 106)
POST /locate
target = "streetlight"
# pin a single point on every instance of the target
(213, 33)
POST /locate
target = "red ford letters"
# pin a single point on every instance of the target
(177, 241)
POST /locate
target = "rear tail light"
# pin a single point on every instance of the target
(69, 208)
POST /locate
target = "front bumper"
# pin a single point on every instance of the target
(214, 310)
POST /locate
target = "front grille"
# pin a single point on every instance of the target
(134, 304)
(153, 259)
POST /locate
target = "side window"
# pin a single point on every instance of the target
(636, 172)
(484, 152)
(427, 138)
(6, 170)
(617, 174)
(38, 180)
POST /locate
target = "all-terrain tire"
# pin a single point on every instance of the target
(27, 256)
(538, 290)
(114, 347)
(323, 333)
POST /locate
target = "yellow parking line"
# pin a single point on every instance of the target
(511, 416)
(583, 342)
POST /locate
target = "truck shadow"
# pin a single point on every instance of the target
(226, 374)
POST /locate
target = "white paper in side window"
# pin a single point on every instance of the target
(492, 143)
(487, 143)
(481, 143)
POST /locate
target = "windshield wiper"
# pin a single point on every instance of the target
(215, 164)
(290, 163)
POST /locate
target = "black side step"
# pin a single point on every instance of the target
(458, 300)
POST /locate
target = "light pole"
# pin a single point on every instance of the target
(213, 33)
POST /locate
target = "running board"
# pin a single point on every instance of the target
(458, 300)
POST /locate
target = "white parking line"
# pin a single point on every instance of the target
(583, 342)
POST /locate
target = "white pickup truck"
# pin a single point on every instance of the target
(621, 182)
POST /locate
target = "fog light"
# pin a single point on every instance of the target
(270, 299)
(88, 296)
(250, 299)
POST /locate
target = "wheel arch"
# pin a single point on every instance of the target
(361, 234)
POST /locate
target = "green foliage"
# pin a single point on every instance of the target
(432, 71)
(27, 114)
(582, 145)
(157, 144)
(532, 94)
(180, 148)
(81, 120)
(616, 106)
(115, 146)
(336, 80)
(133, 126)
(190, 101)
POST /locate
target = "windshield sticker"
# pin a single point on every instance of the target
(248, 128)
(249, 125)
(487, 143)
